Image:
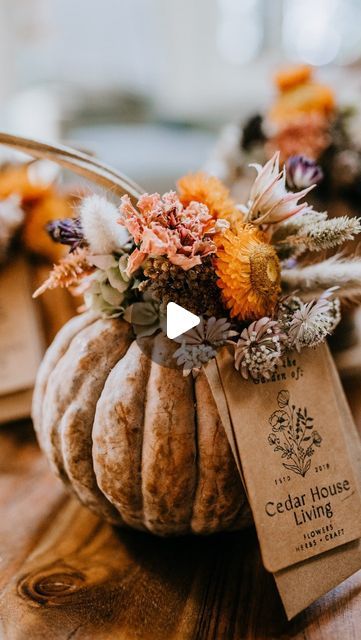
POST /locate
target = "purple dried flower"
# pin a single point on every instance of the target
(302, 172)
(67, 231)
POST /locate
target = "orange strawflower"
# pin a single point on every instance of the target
(209, 190)
(249, 272)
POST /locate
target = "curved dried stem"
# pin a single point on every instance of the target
(77, 161)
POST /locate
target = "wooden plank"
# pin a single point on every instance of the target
(84, 579)
(29, 496)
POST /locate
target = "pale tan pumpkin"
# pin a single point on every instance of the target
(138, 443)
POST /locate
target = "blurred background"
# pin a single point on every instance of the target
(147, 84)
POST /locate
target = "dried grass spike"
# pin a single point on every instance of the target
(67, 272)
(313, 279)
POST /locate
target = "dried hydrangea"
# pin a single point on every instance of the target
(199, 345)
(108, 285)
(307, 324)
(259, 349)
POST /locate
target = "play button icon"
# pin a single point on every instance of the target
(179, 320)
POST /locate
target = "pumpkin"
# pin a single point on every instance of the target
(137, 442)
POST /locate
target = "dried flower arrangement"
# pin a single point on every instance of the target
(256, 273)
(171, 453)
(29, 198)
(304, 120)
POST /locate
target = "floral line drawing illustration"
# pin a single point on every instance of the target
(293, 434)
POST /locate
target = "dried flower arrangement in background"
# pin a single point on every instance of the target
(256, 272)
(29, 198)
(305, 123)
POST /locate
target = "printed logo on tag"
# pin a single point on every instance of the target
(293, 434)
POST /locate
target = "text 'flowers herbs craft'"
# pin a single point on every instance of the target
(257, 272)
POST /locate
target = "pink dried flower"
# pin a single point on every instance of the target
(269, 201)
(162, 226)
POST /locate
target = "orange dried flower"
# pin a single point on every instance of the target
(15, 178)
(35, 237)
(41, 203)
(300, 94)
(306, 98)
(209, 190)
(292, 76)
(249, 272)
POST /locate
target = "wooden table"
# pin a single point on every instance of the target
(65, 574)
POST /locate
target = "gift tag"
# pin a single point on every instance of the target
(21, 344)
(326, 571)
(298, 475)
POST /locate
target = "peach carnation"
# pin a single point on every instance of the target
(162, 226)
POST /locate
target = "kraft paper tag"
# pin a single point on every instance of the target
(296, 467)
(324, 572)
(21, 344)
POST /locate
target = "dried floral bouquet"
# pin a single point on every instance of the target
(29, 197)
(258, 273)
(306, 117)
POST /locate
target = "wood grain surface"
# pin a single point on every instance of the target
(64, 574)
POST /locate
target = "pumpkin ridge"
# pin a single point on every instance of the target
(85, 367)
(219, 495)
(51, 415)
(51, 358)
(118, 426)
(168, 467)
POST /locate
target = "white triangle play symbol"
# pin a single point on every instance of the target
(179, 320)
